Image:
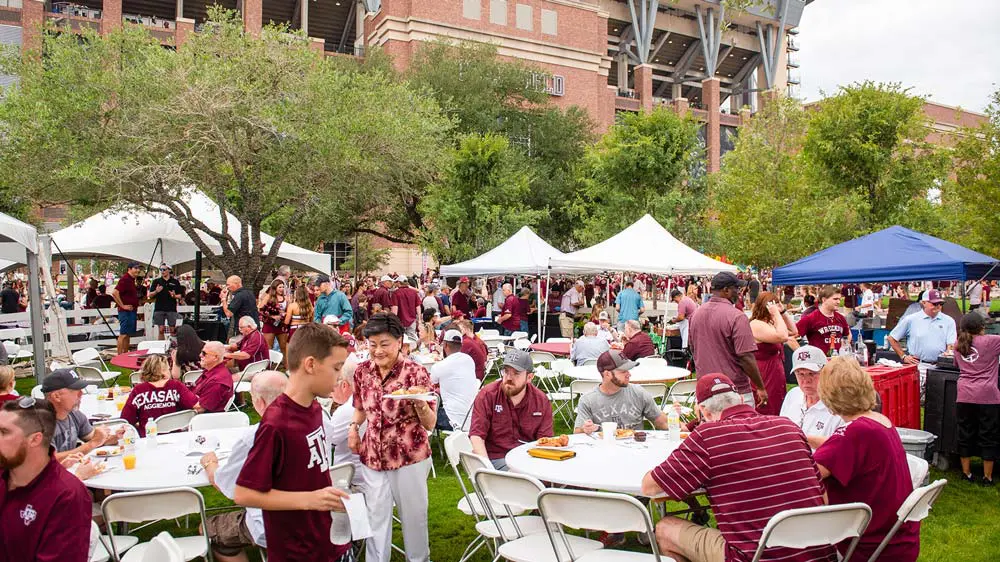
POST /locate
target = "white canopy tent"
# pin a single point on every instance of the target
(19, 244)
(154, 237)
(644, 247)
(524, 253)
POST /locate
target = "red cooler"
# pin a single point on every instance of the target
(899, 388)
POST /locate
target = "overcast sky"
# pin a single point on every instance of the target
(949, 51)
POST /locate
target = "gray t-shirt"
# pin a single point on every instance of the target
(70, 430)
(627, 407)
(588, 347)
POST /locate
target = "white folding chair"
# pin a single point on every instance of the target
(657, 390)
(652, 361)
(815, 526)
(163, 548)
(541, 357)
(153, 346)
(579, 388)
(520, 492)
(498, 527)
(559, 340)
(587, 362)
(86, 360)
(683, 392)
(455, 444)
(485, 333)
(175, 421)
(15, 343)
(276, 358)
(519, 335)
(135, 378)
(191, 377)
(583, 509)
(522, 343)
(534, 338)
(99, 551)
(915, 507)
(548, 382)
(150, 505)
(918, 470)
(248, 374)
(219, 420)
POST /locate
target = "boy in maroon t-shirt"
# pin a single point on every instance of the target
(287, 471)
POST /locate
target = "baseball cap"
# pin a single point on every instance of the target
(603, 315)
(166, 266)
(808, 357)
(320, 279)
(932, 296)
(463, 280)
(711, 384)
(63, 378)
(386, 278)
(331, 319)
(519, 359)
(408, 340)
(580, 283)
(453, 336)
(726, 279)
(615, 360)
(401, 279)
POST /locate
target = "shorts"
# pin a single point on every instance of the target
(978, 430)
(165, 318)
(126, 322)
(228, 532)
(701, 544)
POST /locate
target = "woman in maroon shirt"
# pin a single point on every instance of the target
(272, 316)
(772, 330)
(158, 394)
(7, 384)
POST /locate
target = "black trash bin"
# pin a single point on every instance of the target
(939, 414)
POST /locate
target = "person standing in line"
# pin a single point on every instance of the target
(237, 302)
(406, 305)
(126, 295)
(629, 305)
(978, 401)
(772, 329)
(571, 301)
(287, 470)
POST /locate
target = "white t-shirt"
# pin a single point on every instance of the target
(430, 302)
(335, 426)
(816, 421)
(975, 293)
(225, 480)
(456, 374)
(867, 299)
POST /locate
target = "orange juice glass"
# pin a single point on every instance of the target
(128, 459)
(120, 402)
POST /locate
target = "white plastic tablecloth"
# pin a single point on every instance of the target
(640, 374)
(164, 466)
(90, 406)
(610, 467)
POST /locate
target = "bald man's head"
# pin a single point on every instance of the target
(233, 282)
(265, 388)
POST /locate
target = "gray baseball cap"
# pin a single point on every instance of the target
(519, 359)
(615, 360)
(808, 357)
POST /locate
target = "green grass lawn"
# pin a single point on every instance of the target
(962, 526)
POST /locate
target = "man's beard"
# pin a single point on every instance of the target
(17, 460)
(510, 390)
(618, 382)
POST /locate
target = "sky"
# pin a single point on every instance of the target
(948, 50)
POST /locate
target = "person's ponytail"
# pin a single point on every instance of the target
(970, 327)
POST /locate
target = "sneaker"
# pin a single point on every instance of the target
(969, 478)
(988, 482)
(611, 540)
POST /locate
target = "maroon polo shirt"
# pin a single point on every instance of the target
(255, 346)
(476, 349)
(406, 299)
(127, 290)
(512, 306)
(639, 345)
(382, 297)
(214, 388)
(459, 301)
(753, 467)
(720, 334)
(47, 520)
(502, 425)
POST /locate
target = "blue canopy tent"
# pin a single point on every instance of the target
(893, 254)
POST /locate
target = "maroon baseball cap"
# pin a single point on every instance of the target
(932, 296)
(614, 360)
(711, 384)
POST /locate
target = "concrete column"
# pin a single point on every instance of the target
(253, 16)
(179, 10)
(676, 91)
(111, 16)
(713, 142)
(32, 18)
(185, 28)
(317, 44)
(643, 77)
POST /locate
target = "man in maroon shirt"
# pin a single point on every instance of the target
(510, 317)
(44, 510)
(509, 411)
(252, 348)
(473, 347)
(824, 327)
(721, 341)
(461, 298)
(406, 305)
(382, 296)
(752, 467)
(126, 294)
(637, 343)
(215, 386)
(287, 471)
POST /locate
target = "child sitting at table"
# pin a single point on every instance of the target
(158, 394)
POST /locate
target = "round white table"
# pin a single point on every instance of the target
(494, 338)
(94, 408)
(640, 374)
(165, 466)
(610, 467)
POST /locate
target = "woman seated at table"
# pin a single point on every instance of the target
(7, 384)
(158, 394)
(186, 356)
(864, 461)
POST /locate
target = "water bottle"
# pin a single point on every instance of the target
(861, 353)
(151, 432)
(674, 422)
(340, 528)
(489, 309)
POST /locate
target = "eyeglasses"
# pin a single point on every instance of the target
(509, 374)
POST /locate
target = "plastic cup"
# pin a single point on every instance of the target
(129, 461)
(609, 429)
(120, 402)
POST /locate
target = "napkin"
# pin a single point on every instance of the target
(889, 362)
(357, 511)
(551, 454)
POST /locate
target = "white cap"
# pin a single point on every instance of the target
(808, 357)
(408, 339)
(386, 278)
(331, 319)
(453, 336)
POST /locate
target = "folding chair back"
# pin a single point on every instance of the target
(487, 369)
(88, 355)
(657, 390)
(560, 365)
(36, 392)
(252, 369)
(559, 340)
(682, 391)
(163, 548)
(916, 507)
(584, 509)
(191, 377)
(918, 470)
(579, 388)
(485, 333)
(472, 462)
(93, 374)
(545, 357)
(342, 472)
(815, 526)
(588, 362)
(150, 505)
(276, 358)
(219, 420)
(515, 492)
(519, 335)
(154, 346)
(175, 421)
(135, 378)
(523, 344)
(455, 444)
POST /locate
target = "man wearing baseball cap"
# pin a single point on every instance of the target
(751, 465)
(333, 302)
(165, 291)
(382, 295)
(802, 404)
(509, 411)
(721, 341)
(63, 388)
(456, 376)
(928, 333)
(461, 298)
(126, 295)
(615, 400)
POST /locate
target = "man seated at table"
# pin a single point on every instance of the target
(250, 349)
(509, 411)
(802, 404)
(735, 446)
(615, 400)
(590, 346)
(215, 386)
(232, 531)
(44, 510)
(63, 388)
(473, 347)
(337, 424)
(637, 343)
(455, 375)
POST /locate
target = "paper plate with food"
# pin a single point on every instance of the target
(412, 393)
(620, 433)
(108, 451)
(557, 442)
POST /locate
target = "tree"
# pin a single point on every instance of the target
(369, 258)
(973, 196)
(641, 166)
(478, 203)
(768, 211)
(265, 127)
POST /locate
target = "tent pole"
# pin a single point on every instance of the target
(964, 310)
(548, 290)
(35, 306)
(197, 290)
(101, 314)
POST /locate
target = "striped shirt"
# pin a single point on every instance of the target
(752, 467)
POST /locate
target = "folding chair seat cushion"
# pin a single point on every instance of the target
(529, 525)
(123, 542)
(538, 548)
(608, 555)
(192, 547)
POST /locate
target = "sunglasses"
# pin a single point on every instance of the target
(28, 403)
